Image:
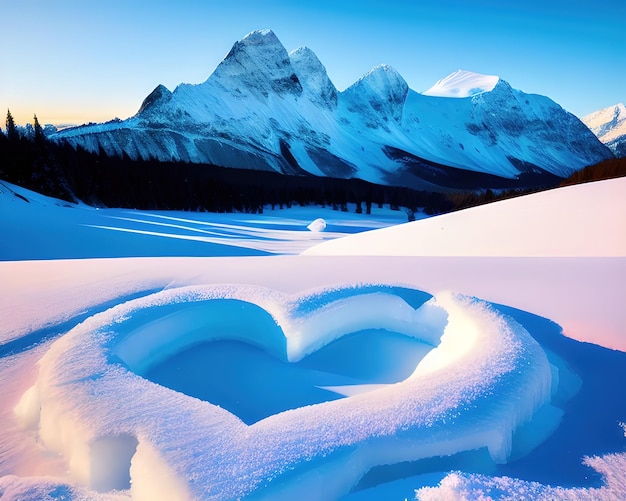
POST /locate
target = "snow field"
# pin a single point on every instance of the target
(83, 232)
(113, 426)
(127, 427)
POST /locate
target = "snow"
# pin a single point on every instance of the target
(317, 225)
(520, 227)
(313, 77)
(546, 230)
(110, 411)
(462, 83)
(461, 486)
(86, 232)
(352, 376)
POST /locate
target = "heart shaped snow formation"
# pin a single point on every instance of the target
(266, 392)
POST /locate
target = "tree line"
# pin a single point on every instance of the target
(58, 169)
(606, 169)
(29, 159)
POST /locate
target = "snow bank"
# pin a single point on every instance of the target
(468, 486)
(483, 379)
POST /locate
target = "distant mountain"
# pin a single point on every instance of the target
(267, 109)
(609, 125)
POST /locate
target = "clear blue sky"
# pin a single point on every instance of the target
(74, 61)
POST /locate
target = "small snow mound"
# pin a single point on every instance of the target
(317, 226)
(463, 83)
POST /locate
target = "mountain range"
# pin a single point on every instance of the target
(267, 109)
(609, 125)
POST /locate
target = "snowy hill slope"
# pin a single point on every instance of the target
(576, 221)
(609, 125)
(268, 109)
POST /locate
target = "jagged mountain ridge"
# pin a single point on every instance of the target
(609, 124)
(267, 109)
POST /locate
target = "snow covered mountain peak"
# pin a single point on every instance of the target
(381, 91)
(607, 121)
(258, 63)
(313, 77)
(609, 124)
(261, 36)
(463, 83)
(266, 109)
(158, 96)
(384, 77)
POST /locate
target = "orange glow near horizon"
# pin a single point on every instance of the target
(59, 117)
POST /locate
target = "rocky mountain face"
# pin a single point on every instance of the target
(267, 109)
(609, 125)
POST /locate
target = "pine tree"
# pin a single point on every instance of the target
(12, 133)
(39, 134)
